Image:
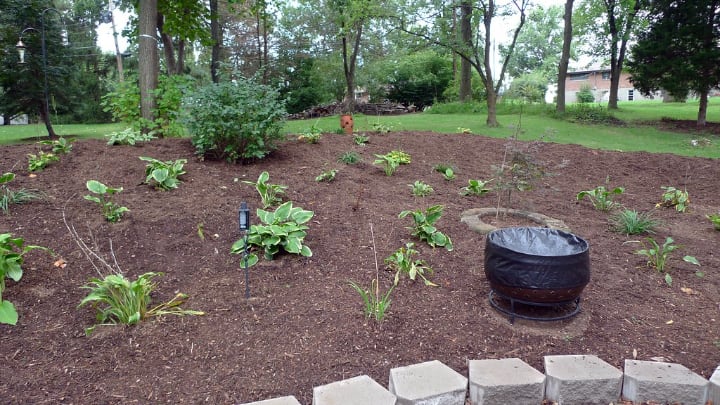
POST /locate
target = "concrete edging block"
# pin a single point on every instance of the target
(714, 388)
(665, 382)
(360, 390)
(428, 383)
(505, 381)
(581, 379)
(289, 400)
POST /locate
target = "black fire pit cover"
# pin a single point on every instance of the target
(530, 260)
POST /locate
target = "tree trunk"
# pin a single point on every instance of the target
(702, 111)
(466, 37)
(349, 63)
(216, 33)
(45, 117)
(491, 120)
(617, 53)
(118, 55)
(565, 57)
(147, 59)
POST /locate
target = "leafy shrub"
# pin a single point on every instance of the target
(585, 95)
(528, 88)
(20, 196)
(269, 193)
(632, 222)
(164, 175)
(234, 120)
(587, 113)
(12, 251)
(282, 229)
(128, 136)
(111, 211)
(121, 301)
(424, 226)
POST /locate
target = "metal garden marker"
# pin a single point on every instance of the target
(244, 222)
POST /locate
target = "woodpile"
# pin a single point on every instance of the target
(386, 108)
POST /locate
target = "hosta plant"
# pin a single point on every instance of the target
(128, 136)
(270, 194)
(476, 187)
(349, 158)
(284, 229)
(672, 197)
(715, 219)
(659, 255)
(420, 189)
(402, 158)
(163, 175)
(41, 160)
(361, 139)
(388, 163)
(424, 226)
(20, 196)
(311, 135)
(446, 170)
(111, 211)
(12, 251)
(601, 197)
(122, 301)
(327, 175)
(60, 146)
(401, 262)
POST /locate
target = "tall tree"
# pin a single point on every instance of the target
(466, 39)
(679, 52)
(148, 57)
(565, 56)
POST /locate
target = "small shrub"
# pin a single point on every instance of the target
(420, 189)
(585, 95)
(9, 197)
(121, 301)
(601, 197)
(12, 251)
(128, 136)
(111, 211)
(164, 175)
(40, 161)
(672, 197)
(282, 229)
(270, 194)
(632, 222)
(327, 175)
(235, 121)
(349, 158)
(361, 139)
(476, 187)
(401, 262)
(424, 226)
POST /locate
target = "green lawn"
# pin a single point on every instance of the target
(533, 125)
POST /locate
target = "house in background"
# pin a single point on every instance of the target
(598, 80)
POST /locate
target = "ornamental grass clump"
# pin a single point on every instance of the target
(632, 222)
(10, 197)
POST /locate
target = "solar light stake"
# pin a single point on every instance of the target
(244, 225)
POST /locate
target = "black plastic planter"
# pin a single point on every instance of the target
(537, 266)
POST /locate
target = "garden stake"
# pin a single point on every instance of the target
(244, 221)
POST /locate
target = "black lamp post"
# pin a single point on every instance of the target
(21, 52)
(244, 222)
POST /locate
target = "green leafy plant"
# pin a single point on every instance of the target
(463, 130)
(12, 251)
(121, 301)
(60, 146)
(282, 229)
(111, 211)
(401, 262)
(311, 135)
(128, 136)
(381, 128)
(601, 197)
(270, 194)
(9, 197)
(672, 197)
(376, 305)
(632, 222)
(420, 189)
(659, 255)
(164, 175)
(41, 160)
(424, 226)
(388, 163)
(361, 139)
(349, 158)
(402, 158)
(476, 187)
(715, 219)
(446, 170)
(327, 175)
(235, 120)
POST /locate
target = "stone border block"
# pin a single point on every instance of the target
(505, 381)
(714, 388)
(581, 379)
(664, 382)
(290, 400)
(360, 390)
(428, 383)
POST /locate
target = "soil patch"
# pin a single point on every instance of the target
(305, 326)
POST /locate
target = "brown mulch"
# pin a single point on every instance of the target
(304, 325)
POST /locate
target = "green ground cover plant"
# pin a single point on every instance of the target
(327, 175)
(60, 146)
(476, 187)
(421, 189)
(349, 158)
(110, 210)
(388, 163)
(673, 197)
(311, 135)
(163, 175)
(361, 139)
(128, 136)
(10, 197)
(424, 226)
(12, 251)
(401, 262)
(715, 219)
(40, 161)
(270, 194)
(659, 255)
(601, 197)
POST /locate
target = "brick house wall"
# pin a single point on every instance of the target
(599, 82)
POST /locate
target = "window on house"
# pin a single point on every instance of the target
(606, 75)
(579, 76)
(631, 94)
